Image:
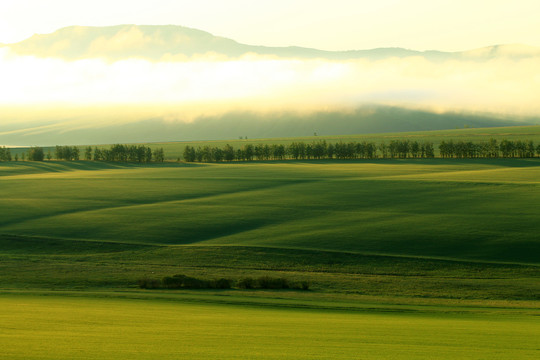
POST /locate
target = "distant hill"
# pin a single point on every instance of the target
(156, 42)
(365, 120)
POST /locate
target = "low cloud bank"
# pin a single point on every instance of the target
(210, 85)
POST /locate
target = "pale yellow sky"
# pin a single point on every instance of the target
(449, 25)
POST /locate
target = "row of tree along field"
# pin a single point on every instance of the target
(395, 149)
(118, 152)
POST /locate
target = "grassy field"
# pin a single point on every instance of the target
(55, 327)
(425, 228)
(406, 259)
(473, 209)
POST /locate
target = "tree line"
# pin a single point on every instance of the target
(126, 153)
(5, 154)
(395, 149)
(489, 149)
(118, 152)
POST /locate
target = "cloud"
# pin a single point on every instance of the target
(182, 89)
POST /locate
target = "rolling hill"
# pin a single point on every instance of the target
(432, 208)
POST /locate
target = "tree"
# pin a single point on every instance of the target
(148, 155)
(5, 154)
(36, 154)
(228, 153)
(249, 151)
(530, 149)
(507, 148)
(75, 153)
(493, 148)
(189, 154)
(415, 149)
(330, 151)
(429, 150)
(384, 150)
(319, 149)
(159, 155)
(88, 153)
(67, 153)
(393, 148)
(97, 154)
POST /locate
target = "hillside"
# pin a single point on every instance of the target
(432, 208)
(364, 120)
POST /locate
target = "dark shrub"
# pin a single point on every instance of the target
(173, 282)
(222, 283)
(192, 283)
(305, 285)
(266, 282)
(149, 283)
(246, 283)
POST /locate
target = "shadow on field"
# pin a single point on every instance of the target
(17, 244)
(65, 166)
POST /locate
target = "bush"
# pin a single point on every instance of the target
(304, 285)
(193, 283)
(149, 283)
(266, 282)
(185, 282)
(222, 283)
(173, 282)
(246, 283)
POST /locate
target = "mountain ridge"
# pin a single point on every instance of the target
(156, 42)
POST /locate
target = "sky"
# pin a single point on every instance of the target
(447, 25)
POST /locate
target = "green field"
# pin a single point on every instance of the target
(406, 259)
(471, 209)
(55, 327)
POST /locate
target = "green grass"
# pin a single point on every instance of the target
(99, 328)
(447, 229)
(476, 210)
(407, 259)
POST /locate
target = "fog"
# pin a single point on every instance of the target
(184, 89)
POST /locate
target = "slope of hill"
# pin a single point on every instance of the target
(440, 208)
(232, 125)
